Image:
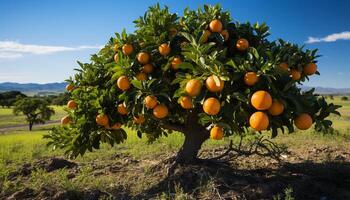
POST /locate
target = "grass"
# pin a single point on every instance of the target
(7, 118)
(18, 147)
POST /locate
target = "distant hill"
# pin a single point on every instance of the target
(33, 88)
(327, 90)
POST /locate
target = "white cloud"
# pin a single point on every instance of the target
(330, 38)
(14, 49)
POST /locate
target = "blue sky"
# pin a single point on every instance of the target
(40, 41)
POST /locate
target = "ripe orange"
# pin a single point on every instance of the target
(102, 120)
(143, 58)
(186, 102)
(160, 111)
(122, 109)
(206, 35)
(150, 101)
(310, 69)
(123, 83)
(295, 74)
(116, 58)
(211, 85)
(116, 126)
(66, 120)
(127, 49)
(175, 63)
(140, 119)
(69, 87)
(141, 76)
(211, 106)
(225, 34)
(215, 26)
(276, 108)
(259, 121)
(147, 68)
(250, 78)
(193, 87)
(172, 32)
(261, 100)
(164, 49)
(72, 104)
(284, 66)
(303, 121)
(216, 133)
(242, 44)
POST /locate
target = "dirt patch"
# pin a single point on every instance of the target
(47, 164)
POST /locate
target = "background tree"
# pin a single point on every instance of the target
(61, 99)
(202, 74)
(7, 99)
(344, 98)
(36, 110)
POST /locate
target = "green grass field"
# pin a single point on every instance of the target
(7, 118)
(136, 158)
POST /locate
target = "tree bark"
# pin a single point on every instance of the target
(30, 126)
(194, 138)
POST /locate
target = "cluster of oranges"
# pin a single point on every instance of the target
(308, 70)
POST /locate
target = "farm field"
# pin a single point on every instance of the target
(316, 166)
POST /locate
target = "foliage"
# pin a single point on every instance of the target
(7, 99)
(95, 90)
(344, 98)
(36, 110)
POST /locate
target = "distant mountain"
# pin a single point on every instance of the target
(328, 90)
(33, 87)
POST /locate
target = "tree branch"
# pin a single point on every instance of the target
(173, 126)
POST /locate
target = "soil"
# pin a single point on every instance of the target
(314, 173)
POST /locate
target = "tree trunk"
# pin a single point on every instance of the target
(30, 126)
(194, 138)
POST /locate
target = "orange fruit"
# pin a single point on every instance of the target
(261, 100)
(150, 101)
(123, 83)
(259, 121)
(175, 63)
(71, 104)
(225, 35)
(164, 49)
(116, 126)
(295, 74)
(310, 69)
(186, 102)
(193, 87)
(303, 121)
(276, 108)
(160, 111)
(172, 32)
(250, 78)
(147, 68)
(284, 66)
(216, 133)
(141, 76)
(116, 58)
(143, 57)
(140, 119)
(115, 47)
(242, 44)
(102, 120)
(211, 106)
(66, 120)
(127, 49)
(215, 26)
(69, 87)
(211, 84)
(206, 35)
(122, 109)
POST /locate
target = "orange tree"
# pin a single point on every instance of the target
(202, 74)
